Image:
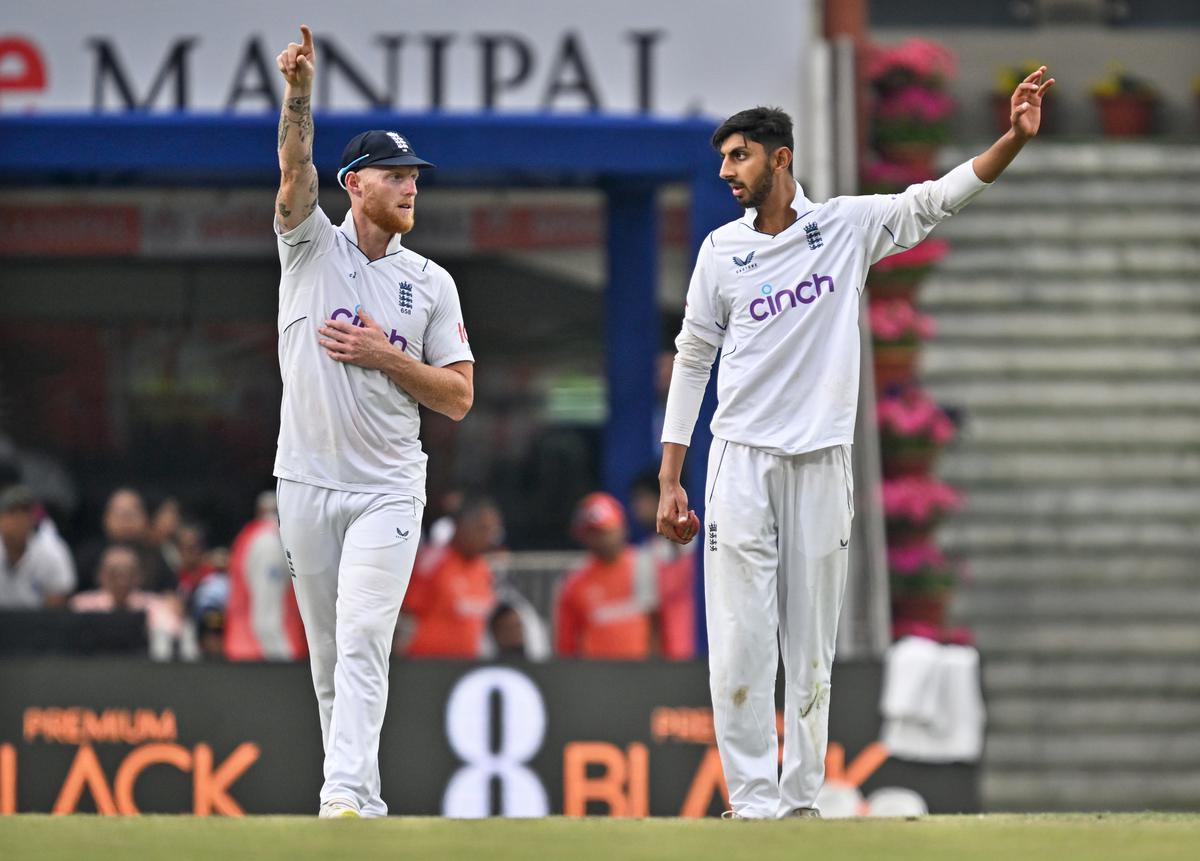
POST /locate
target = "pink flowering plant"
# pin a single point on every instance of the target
(913, 115)
(886, 177)
(913, 62)
(959, 635)
(912, 416)
(911, 102)
(918, 500)
(896, 323)
(920, 568)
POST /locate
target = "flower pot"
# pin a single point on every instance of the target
(909, 460)
(930, 608)
(907, 532)
(913, 155)
(1126, 115)
(896, 284)
(894, 365)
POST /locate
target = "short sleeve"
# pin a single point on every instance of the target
(896, 222)
(445, 334)
(309, 239)
(706, 315)
(58, 576)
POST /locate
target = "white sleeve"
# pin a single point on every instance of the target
(310, 238)
(706, 315)
(60, 572)
(897, 222)
(266, 580)
(445, 335)
(689, 378)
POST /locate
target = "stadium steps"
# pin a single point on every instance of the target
(1068, 320)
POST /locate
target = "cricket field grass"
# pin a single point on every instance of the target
(1057, 837)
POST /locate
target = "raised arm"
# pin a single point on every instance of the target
(297, 176)
(1026, 118)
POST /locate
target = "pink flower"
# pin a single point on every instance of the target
(915, 558)
(880, 173)
(897, 320)
(913, 414)
(918, 498)
(920, 59)
(912, 628)
(959, 635)
(925, 254)
(915, 103)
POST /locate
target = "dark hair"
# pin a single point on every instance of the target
(473, 503)
(771, 127)
(122, 545)
(499, 610)
(645, 481)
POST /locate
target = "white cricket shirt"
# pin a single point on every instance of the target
(784, 311)
(45, 568)
(342, 426)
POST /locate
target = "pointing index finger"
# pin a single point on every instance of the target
(308, 39)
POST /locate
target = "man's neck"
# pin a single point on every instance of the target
(776, 214)
(372, 241)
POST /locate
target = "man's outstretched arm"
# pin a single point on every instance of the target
(1026, 118)
(297, 176)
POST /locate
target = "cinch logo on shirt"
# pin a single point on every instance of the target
(771, 301)
(394, 338)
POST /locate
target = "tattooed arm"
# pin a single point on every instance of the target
(297, 176)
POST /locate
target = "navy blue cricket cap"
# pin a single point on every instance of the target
(378, 148)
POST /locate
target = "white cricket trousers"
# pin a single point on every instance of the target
(776, 534)
(351, 556)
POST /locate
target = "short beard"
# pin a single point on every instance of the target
(757, 194)
(389, 219)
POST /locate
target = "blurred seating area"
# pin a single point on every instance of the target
(147, 583)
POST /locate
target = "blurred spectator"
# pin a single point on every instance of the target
(35, 564)
(118, 576)
(262, 620)
(125, 523)
(507, 632)
(442, 529)
(514, 629)
(450, 594)
(163, 528)
(602, 608)
(207, 610)
(193, 564)
(673, 568)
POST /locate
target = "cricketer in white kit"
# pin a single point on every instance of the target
(367, 331)
(777, 292)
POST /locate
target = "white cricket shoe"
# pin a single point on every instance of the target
(804, 813)
(338, 808)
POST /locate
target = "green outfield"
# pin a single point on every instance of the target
(1096, 837)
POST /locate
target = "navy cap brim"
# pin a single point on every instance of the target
(396, 161)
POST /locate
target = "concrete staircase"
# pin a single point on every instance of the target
(1069, 333)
